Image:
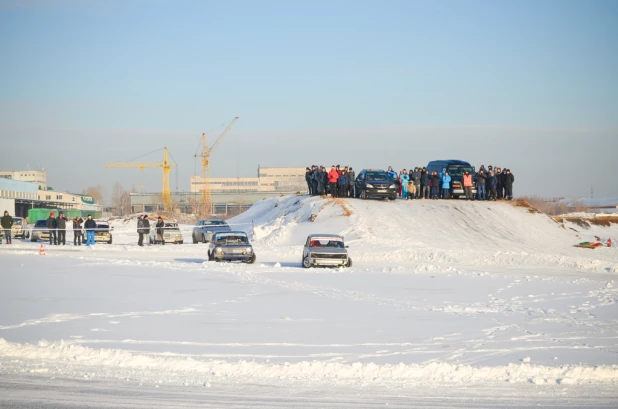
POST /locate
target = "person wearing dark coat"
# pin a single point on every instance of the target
(52, 225)
(7, 225)
(77, 231)
(90, 226)
(160, 229)
(308, 179)
(435, 186)
(342, 183)
(140, 230)
(61, 223)
(351, 181)
(425, 179)
(499, 187)
(416, 180)
(509, 179)
(492, 184)
(480, 184)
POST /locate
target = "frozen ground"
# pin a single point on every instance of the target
(448, 304)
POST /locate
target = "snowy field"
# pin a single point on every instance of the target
(448, 305)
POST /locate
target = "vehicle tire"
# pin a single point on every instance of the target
(218, 260)
(181, 242)
(306, 262)
(33, 239)
(391, 198)
(193, 237)
(363, 195)
(204, 238)
(252, 259)
(349, 263)
(110, 240)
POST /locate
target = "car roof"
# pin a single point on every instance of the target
(324, 235)
(230, 233)
(212, 219)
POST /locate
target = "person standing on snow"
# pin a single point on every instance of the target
(308, 175)
(425, 182)
(333, 176)
(509, 179)
(61, 222)
(411, 186)
(435, 186)
(492, 183)
(404, 179)
(343, 184)
(498, 175)
(480, 185)
(90, 226)
(467, 185)
(7, 224)
(446, 185)
(77, 231)
(351, 180)
(160, 229)
(416, 180)
(52, 225)
(140, 230)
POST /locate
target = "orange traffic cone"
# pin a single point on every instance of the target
(41, 251)
(609, 242)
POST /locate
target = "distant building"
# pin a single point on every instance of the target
(34, 176)
(268, 180)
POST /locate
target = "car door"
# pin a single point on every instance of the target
(359, 182)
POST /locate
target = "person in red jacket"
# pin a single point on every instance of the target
(333, 176)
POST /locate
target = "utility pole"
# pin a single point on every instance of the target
(591, 192)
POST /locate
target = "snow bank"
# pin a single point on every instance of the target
(59, 353)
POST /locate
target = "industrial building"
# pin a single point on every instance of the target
(33, 176)
(268, 180)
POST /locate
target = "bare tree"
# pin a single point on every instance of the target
(96, 192)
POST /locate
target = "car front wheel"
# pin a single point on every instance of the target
(193, 237)
(306, 262)
(349, 263)
(363, 195)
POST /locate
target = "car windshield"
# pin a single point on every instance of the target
(214, 223)
(377, 176)
(458, 170)
(326, 243)
(17, 222)
(41, 223)
(173, 226)
(231, 238)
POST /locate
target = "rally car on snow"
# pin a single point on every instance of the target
(325, 250)
(231, 246)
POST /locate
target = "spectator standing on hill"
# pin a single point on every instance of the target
(492, 183)
(342, 183)
(351, 180)
(411, 185)
(446, 185)
(425, 184)
(52, 225)
(435, 186)
(416, 181)
(308, 179)
(90, 226)
(325, 180)
(7, 224)
(77, 231)
(333, 176)
(509, 179)
(498, 175)
(140, 230)
(391, 173)
(404, 179)
(467, 185)
(480, 184)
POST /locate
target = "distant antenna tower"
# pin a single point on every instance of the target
(591, 192)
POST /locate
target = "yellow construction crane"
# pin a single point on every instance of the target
(165, 165)
(205, 155)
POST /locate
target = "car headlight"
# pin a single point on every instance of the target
(369, 185)
(219, 250)
(248, 249)
(393, 186)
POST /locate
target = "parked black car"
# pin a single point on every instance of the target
(375, 183)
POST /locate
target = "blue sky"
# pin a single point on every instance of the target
(527, 84)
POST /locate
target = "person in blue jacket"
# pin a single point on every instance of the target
(446, 185)
(342, 183)
(391, 173)
(90, 226)
(404, 178)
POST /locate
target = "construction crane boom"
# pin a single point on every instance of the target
(205, 155)
(166, 166)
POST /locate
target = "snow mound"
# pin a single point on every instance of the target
(60, 353)
(428, 232)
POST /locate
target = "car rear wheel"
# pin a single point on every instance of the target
(204, 238)
(193, 237)
(306, 262)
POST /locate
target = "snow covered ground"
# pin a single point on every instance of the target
(448, 304)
